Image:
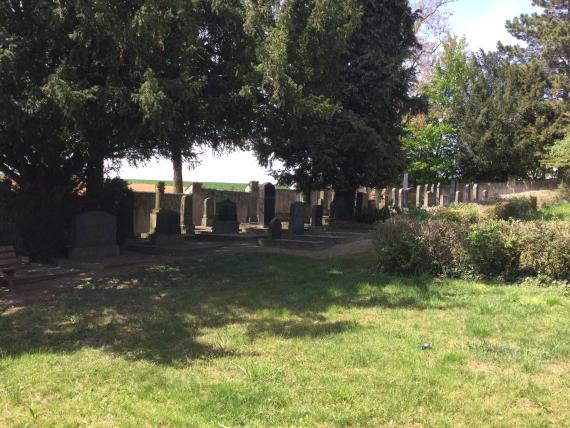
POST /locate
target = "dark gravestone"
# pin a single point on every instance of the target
(452, 189)
(209, 212)
(167, 223)
(317, 216)
(297, 219)
(275, 229)
(186, 219)
(361, 198)
(8, 234)
(226, 218)
(266, 204)
(94, 235)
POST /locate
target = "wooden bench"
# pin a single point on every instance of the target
(8, 264)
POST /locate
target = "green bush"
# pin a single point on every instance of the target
(373, 215)
(398, 248)
(516, 208)
(494, 249)
(458, 213)
(545, 248)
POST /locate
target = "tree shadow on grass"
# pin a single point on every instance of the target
(160, 314)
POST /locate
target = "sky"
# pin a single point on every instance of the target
(482, 22)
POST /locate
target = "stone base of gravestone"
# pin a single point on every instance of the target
(221, 227)
(94, 236)
(316, 216)
(275, 229)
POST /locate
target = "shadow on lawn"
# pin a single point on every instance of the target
(159, 314)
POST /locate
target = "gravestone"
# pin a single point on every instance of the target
(406, 182)
(401, 198)
(297, 219)
(186, 218)
(209, 212)
(266, 204)
(361, 203)
(432, 188)
(317, 216)
(475, 193)
(458, 198)
(443, 200)
(467, 193)
(452, 189)
(275, 229)
(166, 222)
(429, 199)
(419, 195)
(225, 221)
(385, 197)
(485, 194)
(94, 235)
(394, 196)
(438, 192)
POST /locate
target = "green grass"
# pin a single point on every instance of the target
(234, 187)
(559, 211)
(273, 340)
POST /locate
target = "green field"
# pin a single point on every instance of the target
(273, 340)
(234, 187)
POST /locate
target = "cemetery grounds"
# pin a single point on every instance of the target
(252, 339)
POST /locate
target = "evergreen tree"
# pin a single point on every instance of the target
(336, 89)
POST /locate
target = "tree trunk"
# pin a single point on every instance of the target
(95, 178)
(343, 203)
(177, 169)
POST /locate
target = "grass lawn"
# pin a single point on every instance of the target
(559, 211)
(234, 187)
(273, 340)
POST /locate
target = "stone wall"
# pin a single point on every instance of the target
(247, 201)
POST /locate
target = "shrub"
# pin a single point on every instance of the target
(494, 249)
(516, 208)
(398, 248)
(458, 213)
(373, 215)
(545, 248)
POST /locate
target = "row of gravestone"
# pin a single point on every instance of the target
(296, 221)
(432, 195)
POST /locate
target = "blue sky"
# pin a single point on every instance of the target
(482, 22)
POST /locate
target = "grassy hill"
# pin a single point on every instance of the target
(234, 187)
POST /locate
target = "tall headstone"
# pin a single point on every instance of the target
(452, 189)
(94, 236)
(419, 196)
(443, 200)
(361, 203)
(438, 192)
(317, 216)
(402, 198)
(476, 193)
(394, 196)
(226, 218)
(386, 197)
(297, 219)
(429, 199)
(432, 189)
(467, 193)
(186, 218)
(485, 194)
(266, 203)
(406, 181)
(458, 198)
(275, 229)
(209, 212)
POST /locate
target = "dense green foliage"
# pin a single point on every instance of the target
(457, 242)
(274, 340)
(336, 85)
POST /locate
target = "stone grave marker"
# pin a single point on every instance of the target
(94, 235)
(458, 198)
(209, 212)
(275, 229)
(225, 221)
(186, 219)
(266, 204)
(419, 195)
(317, 216)
(475, 193)
(467, 193)
(452, 189)
(297, 219)
(361, 203)
(394, 196)
(429, 199)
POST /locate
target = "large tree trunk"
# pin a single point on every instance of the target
(177, 169)
(343, 205)
(95, 178)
